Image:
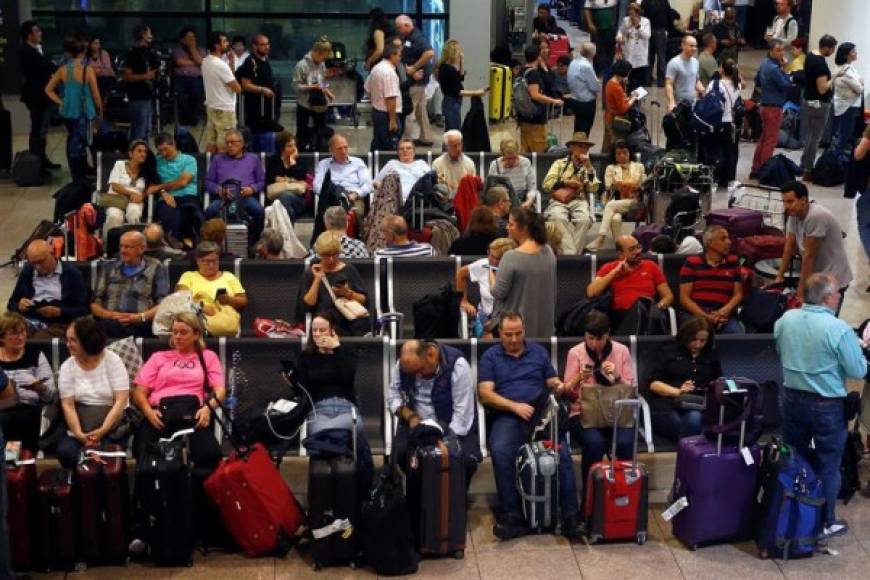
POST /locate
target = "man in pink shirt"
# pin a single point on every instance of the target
(597, 363)
(383, 88)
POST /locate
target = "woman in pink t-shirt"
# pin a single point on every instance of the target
(170, 375)
(597, 363)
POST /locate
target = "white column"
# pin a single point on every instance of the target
(470, 24)
(847, 22)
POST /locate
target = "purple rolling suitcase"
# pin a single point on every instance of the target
(739, 222)
(720, 489)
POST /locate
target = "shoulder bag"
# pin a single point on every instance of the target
(599, 405)
(350, 309)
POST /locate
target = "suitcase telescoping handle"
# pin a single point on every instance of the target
(618, 406)
(240, 448)
(744, 415)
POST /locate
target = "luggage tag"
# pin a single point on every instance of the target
(747, 456)
(675, 508)
(732, 386)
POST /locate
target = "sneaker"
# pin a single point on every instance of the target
(508, 528)
(573, 527)
(834, 529)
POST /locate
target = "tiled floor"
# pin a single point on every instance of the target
(548, 557)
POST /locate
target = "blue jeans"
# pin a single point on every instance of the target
(189, 96)
(333, 413)
(186, 216)
(508, 434)
(251, 208)
(140, 112)
(382, 138)
(77, 146)
(862, 208)
(451, 108)
(844, 129)
(597, 442)
(731, 327)
(676, 425)
(263, 143)
(808, 417)
(294, 204)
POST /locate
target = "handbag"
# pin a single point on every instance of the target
(274, 190)
(179, 411)
(690, 402)
(115, 200)
(276, 328)
(348, 308)
(621, 125)
(598, 405)
(92, 416)
(226, 321)
(169, 308)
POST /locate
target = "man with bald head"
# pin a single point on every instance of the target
(398, 245)
(129, 289)
(631, 278)
(49, 293)
(262, 98)
(432, 382)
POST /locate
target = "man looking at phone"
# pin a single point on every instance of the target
(130, 289)
(49, 293)
(569, 182)
(631, 278)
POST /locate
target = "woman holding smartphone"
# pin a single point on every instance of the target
(683, 369)
(478, 272)
(598, 363)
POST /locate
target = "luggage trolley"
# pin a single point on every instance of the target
(767, 200)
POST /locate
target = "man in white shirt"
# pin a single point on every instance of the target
(351, 173)
(383, 88)
(784, 26)
(221, 88)
(453, 164)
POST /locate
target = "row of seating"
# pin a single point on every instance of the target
(393, 284)
(374, 160)
(258, 366)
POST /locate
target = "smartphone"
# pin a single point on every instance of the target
(220, 292)
(588, 366)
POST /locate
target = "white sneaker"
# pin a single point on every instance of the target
(137, 547)
(837, 528)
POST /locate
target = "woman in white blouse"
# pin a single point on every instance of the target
(634, 34)
(848, 94)
(408, 169)
(94, 388)
(127, 179)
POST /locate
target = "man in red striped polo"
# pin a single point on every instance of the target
(710, 284)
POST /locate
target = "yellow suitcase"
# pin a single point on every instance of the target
(500, 83)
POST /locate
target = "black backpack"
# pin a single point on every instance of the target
(572, 321)
(436, 315)
(778, 171)
(385, 521)
(830, 169)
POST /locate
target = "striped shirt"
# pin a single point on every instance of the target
(712, 286)
(405, 250)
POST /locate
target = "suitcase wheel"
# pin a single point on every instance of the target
(459, 554)
(641, 538)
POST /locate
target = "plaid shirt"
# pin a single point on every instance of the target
(350, 248)
(136, 293)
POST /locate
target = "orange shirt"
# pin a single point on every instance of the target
(615, 100)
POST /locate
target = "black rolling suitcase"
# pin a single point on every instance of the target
(166, 492)
(27, 169)
(437, 499)
(333, 509)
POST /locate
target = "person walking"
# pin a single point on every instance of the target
(816, 104)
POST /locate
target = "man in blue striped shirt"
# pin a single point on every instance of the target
(818, 352)
(398, 245)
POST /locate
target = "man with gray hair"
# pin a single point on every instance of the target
(383, 87)
(452, 165)
(585, 86)
(498, 200)
(417, 57)
(236, 179)
(271, 245)
(710, 283)
(818, 352)
(130, 289)
(398, 245)
(335, 220)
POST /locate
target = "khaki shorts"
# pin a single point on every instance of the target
(218, 122)
(533, 138)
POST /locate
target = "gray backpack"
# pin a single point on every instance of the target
(521, 99)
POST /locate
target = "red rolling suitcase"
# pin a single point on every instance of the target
(21, 488)
(559, 45)
(616, 493)
(103, 499)
(255, 503)
(56, 534)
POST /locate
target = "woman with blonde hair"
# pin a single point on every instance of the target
(478, 272)
(450, 73)
(332, 283)
(312, 92)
